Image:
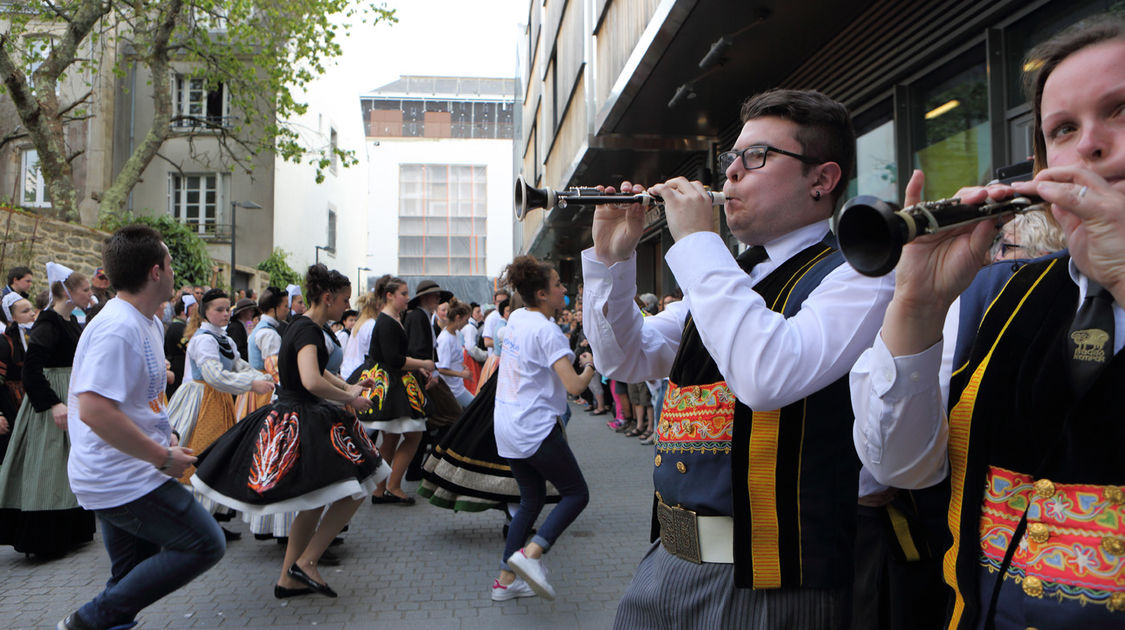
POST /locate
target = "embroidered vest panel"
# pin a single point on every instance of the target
(1021, 441)
(788, 476)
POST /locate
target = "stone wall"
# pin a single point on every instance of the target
(32, 240)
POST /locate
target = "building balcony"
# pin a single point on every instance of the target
(208, 231)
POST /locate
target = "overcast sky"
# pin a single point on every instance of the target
(437, 37)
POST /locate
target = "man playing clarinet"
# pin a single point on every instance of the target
(755, 475)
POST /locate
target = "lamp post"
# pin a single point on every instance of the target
(359, 276)
(234, 206)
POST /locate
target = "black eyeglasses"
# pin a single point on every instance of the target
(754, 156)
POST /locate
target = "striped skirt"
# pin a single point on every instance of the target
(249, 402)
(670, 593)
(38, 512)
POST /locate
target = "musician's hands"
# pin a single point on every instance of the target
(933, 271)
(687, 207)
(1094, 222)
(618, 227)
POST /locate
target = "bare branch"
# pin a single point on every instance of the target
(85, 98)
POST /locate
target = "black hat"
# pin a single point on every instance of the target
(242, 305)
(428, 287)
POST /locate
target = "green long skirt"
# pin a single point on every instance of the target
(38, 512)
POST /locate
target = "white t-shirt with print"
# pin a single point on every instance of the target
(529, 394)
(450, 355)
(120, 356)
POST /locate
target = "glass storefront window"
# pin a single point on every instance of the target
(951, 126)
(876, 171)
(1037, 27)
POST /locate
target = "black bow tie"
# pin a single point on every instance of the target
(751, 257)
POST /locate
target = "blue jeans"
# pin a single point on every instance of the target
(156, 544)
(553, 462)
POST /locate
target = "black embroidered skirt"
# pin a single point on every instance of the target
(295, 454)
(397, 399)
(464, 472)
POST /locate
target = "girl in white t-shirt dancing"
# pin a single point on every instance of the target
(536, 373)
(451, 353)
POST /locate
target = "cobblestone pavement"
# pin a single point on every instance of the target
(403, 567)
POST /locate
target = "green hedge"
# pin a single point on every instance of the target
(190, 259)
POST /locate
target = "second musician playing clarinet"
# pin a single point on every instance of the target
(757, 353)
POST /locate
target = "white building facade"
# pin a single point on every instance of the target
(325, 221)
(440, 166)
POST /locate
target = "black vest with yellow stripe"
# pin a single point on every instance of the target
(788, 476)
(1022, 445)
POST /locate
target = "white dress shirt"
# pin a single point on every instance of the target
(901, 433)
(768, 360)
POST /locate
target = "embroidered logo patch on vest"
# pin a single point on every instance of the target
(1090, 344)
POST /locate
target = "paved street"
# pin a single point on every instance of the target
(403, 567)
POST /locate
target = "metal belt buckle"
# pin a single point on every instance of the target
(679, 532)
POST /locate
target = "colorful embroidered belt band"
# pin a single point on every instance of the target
(696, 418)
(1074, 546)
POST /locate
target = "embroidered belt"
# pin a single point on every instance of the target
(698, 539)
(1074, 546)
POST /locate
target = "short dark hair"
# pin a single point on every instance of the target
(130, 253)
(177, 306)
(824, 132)
(349, 313)
(15, 273)
(501, 291)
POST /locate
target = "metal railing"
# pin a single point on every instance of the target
(208, 231)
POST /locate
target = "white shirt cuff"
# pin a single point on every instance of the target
(898, 378)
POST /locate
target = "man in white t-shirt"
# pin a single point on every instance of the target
(470, 332)
(494, 321)
(124, 458)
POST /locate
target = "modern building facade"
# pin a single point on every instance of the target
(646, 90)
(440, 165)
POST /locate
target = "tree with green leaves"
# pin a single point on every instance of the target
(264, 51)
(190, 260)
(281, 274)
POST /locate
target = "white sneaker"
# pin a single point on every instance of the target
(533, 573)
(519, 588)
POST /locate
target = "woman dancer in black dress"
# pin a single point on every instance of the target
(38, 512)
(302, 452)
(397, 392)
